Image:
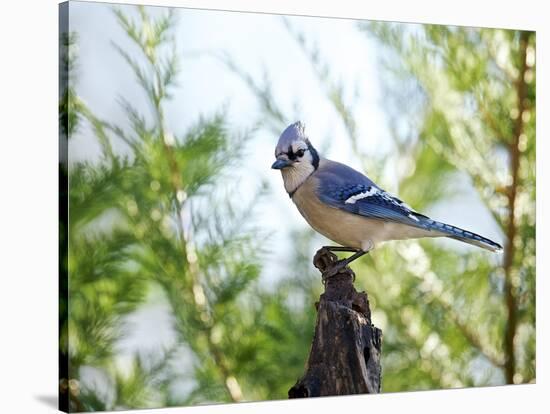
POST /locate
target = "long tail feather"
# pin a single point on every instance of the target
(465, 236)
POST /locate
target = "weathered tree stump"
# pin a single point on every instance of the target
(345, 353)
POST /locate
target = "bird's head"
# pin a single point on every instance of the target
(295, 156)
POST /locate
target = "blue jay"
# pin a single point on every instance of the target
(347, 207)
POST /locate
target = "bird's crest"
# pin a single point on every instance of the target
(292, 133)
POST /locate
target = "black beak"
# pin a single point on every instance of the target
(279, 164)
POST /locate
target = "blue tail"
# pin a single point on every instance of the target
(464, 236)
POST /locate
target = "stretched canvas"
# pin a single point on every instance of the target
(187, 274)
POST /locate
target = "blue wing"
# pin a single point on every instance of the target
(342, 187)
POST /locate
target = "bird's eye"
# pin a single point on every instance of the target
(300, 152)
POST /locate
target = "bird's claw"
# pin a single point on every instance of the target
(324, 259)
(334, 269)
(329, 265)
(330, 272)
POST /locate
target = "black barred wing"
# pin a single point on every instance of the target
(342, 187)
(370, 201)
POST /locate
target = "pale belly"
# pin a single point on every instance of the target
(348, 229)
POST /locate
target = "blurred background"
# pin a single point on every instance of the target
(189, 270)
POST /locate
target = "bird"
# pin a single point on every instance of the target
(347, 207)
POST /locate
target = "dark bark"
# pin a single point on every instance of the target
(345, 353)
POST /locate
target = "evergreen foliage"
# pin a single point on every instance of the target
(146, 221)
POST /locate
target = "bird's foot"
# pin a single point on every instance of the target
(337, 267)
(324, 259)
(329, 265)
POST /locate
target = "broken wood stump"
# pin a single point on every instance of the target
(345, 353)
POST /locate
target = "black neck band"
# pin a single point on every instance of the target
(314, 155)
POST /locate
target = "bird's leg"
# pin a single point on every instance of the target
(340, 249)
(357, 253)
(337, 266)
(327, 262)
(344, 262)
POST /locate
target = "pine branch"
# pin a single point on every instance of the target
(511, 231)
